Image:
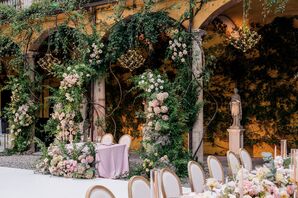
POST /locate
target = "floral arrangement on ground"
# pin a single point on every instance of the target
(75, 160)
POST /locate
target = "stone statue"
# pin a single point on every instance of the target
(236, 110)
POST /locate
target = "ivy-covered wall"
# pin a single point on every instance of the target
(265, 77)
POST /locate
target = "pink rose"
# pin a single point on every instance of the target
(165, 95)
(290, 189)
(155, 103)
(89, 159)
(83, 161)
(157, 126)
(156, 110)
(149, 109)
(165, 117)
(164, 109)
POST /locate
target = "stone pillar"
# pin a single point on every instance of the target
(99, 98)
(30, 58)
(235, 139)
(197, 68)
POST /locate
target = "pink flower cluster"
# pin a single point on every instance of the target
(157, 108)
(67, 127)
(21, 118)
(86, 159)
(69, 80)
(157, 116)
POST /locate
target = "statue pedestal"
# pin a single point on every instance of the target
(235, 139)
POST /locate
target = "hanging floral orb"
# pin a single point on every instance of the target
(244, 39)
(48, 61)
(132, 60)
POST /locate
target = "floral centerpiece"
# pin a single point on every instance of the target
(271, 180)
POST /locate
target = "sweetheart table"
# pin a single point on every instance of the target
(111, 160)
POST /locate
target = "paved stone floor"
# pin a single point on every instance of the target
(29, 161)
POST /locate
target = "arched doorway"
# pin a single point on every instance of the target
(123, 106)
(57, 46)
(264, 75)
(9, 51)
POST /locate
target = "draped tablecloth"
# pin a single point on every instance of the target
(111, 160)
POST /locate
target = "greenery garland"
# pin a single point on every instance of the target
(141, 30)
(21, 112)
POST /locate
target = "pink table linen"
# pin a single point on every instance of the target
(111, 160)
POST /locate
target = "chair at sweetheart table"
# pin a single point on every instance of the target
(125, 139)
(99, 191)
(215, 169)
(170, 184)
(233, 162)
(245, 159)
(138, 187)
(107, 139)
(196, 177)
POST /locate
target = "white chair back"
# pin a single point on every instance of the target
(215, 168)
(170, 184)
(234, 163)
(125, 139)
(138, 187)
(99, 191)
(245, 159)
(107, 139)
(196, 177)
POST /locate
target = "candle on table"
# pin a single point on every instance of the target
(274, 151)
(291, 156)
(296, 166)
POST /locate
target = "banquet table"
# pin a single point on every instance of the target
(111, 160)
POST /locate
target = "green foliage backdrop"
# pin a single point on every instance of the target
(266, 79)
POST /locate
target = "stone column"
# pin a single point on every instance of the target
(30, 58)
(99, 98)
(197, 68)
(235, 139)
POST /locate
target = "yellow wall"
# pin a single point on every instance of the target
(104, 16)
